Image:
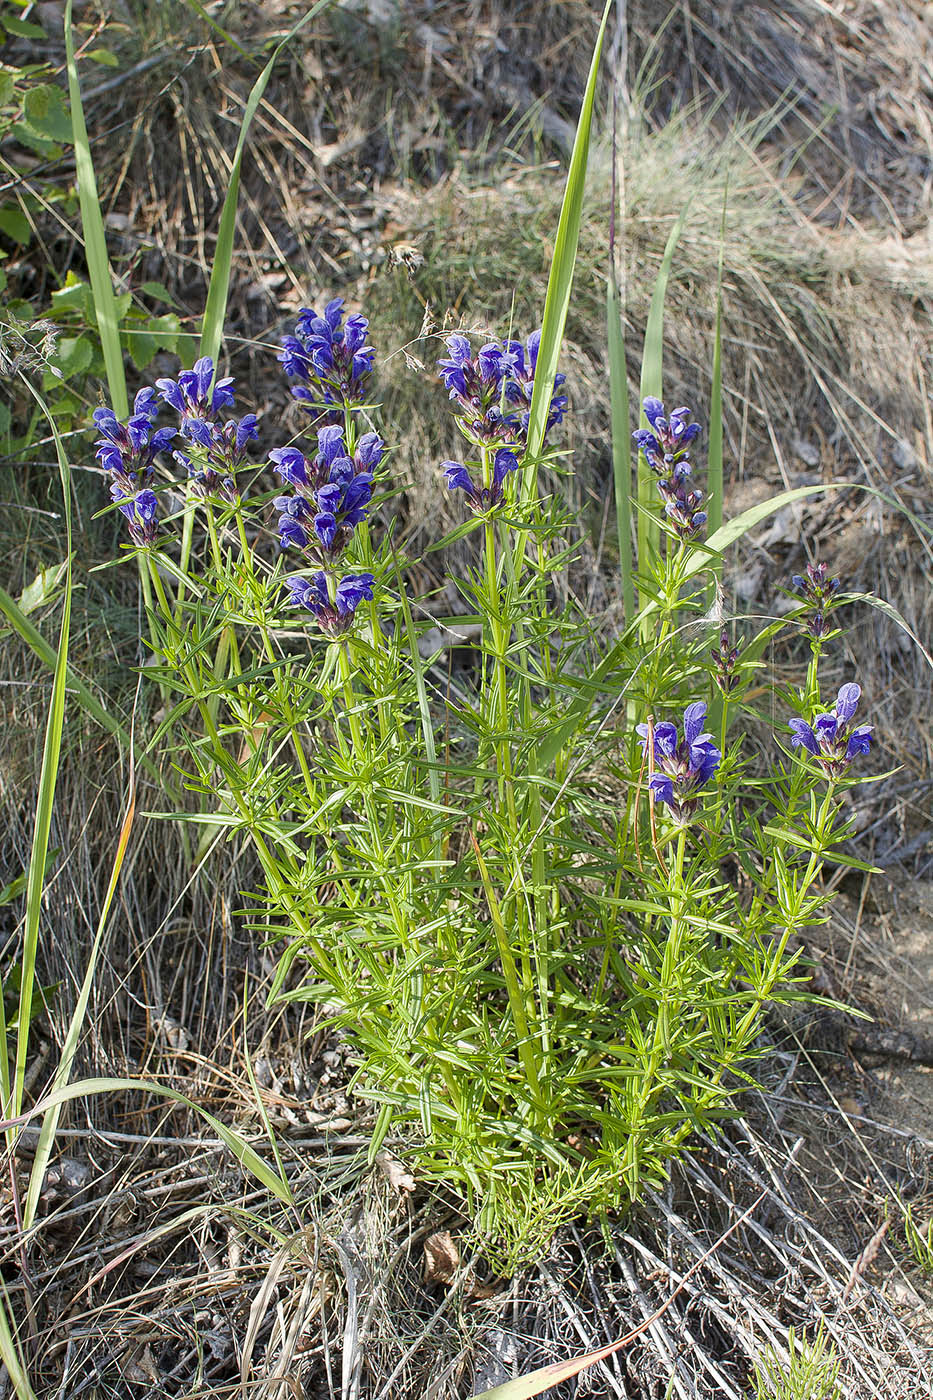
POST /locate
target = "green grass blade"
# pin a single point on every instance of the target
(215, 309)
(714, 473)
(652, 366)
(560, 278)
(248, 1158)
(86, 697)
(95, 242)
(69, 1049)
(48, 776)
(10, 1353)
(621, 440)
(424, 708)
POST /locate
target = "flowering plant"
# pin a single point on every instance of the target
(504, 892)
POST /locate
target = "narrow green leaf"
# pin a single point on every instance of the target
(48, 776)
(245, 1155)
(889, 610)
(95, 242)
(621, 440)
(215, 309)
(88, 700)
(560, 278)
(714, 459)
(10, 1353)
(50, 1122)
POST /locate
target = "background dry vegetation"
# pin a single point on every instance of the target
(410, 157)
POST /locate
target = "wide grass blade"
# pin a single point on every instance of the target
(215, 309)
(649, 529)
(10, 1353)
(69, 1049)
(714, 458)
(621, 440)
(48, 776)
(560, 278)
(95, 242)
(245, 1155)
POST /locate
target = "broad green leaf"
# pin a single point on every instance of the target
(43, 588)
(22, 28)
(105, 56)
(46, 111)
(14, 223)
(158, 291)
(73, 355)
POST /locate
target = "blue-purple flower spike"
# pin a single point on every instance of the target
(819, 598)
(679, 768)
(334, 614)
(330, 494)
(831, 740)
(666, 447)
(128, 451)
(329, 358)
(199, 405)
(488, 387)
(482, 498)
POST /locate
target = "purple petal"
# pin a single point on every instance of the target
(847, 701)
(804, 737)
(503, 463)
(352, 590)
(325, 526)
(653, 410)
(694, 720)
(860, 741)
(662, 787)
(456, 475)
(665, 739)
(330, 443)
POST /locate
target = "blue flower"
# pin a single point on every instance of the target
(520, 380)
(482, 498)
(497, 375)
(220, 452)
(128, 451)
(333, 611)
(665, 449)
(681, 767)
(141, 513)
(818, 597)
(668, 442)
(331, 360)
(334, 489)
(291, 465)
(191, 395)
(369, 451)
(831, 740)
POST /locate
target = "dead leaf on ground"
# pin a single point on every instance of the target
(441, 1257)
